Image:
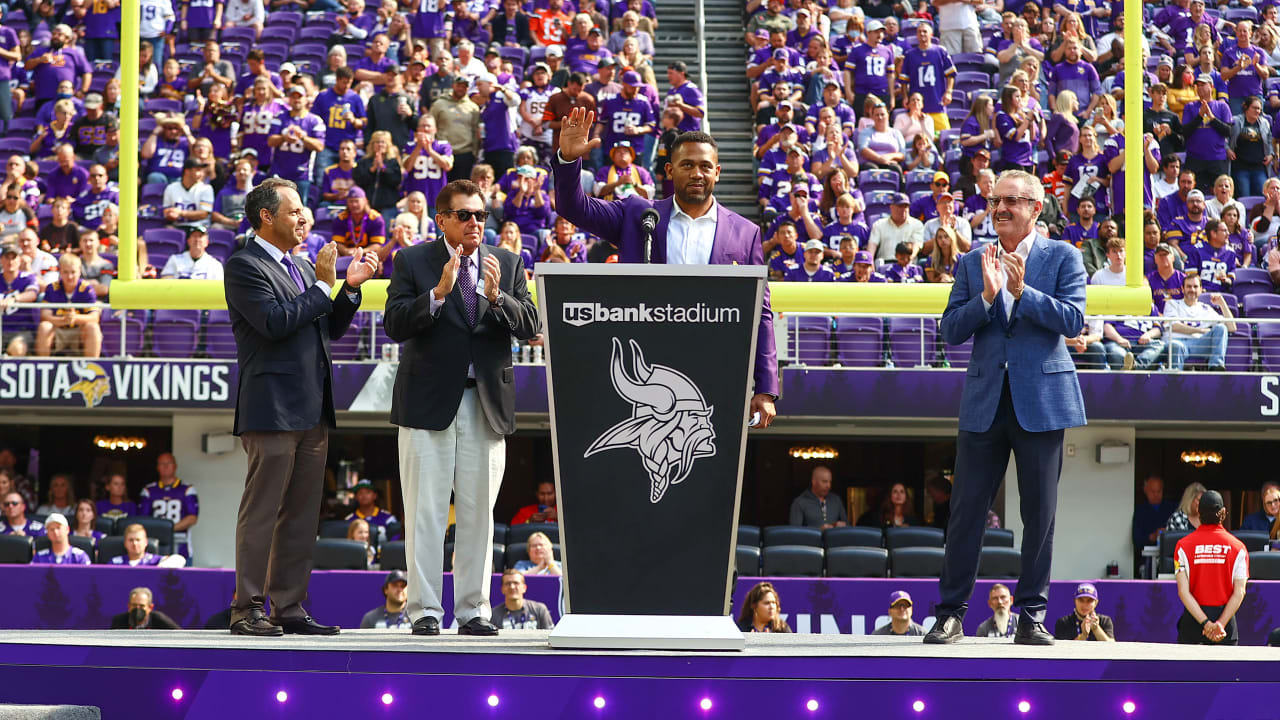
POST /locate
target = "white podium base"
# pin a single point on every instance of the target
(646, 632)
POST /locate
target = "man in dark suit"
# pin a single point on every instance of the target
(283, 319)
(692, 229)
(142, 614)
(1017, 298)
(455, 305)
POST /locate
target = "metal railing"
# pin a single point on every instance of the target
(699, 32)
(860, 341)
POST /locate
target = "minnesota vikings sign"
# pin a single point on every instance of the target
(670, 423)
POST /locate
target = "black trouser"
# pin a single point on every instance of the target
(860, 101)
(461, 170)
(1207, 172)
(1191, 632)
(981, 461)
(500, 160)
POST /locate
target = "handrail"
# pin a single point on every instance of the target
(699, 25)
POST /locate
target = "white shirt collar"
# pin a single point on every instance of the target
(276, 253)
(1024, 247)
(711, 215)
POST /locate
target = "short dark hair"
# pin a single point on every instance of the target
(577, 77)
(344, 72)
(255, 54)
(466, 188)
(694, 136)
(266, 196)
(902, 249)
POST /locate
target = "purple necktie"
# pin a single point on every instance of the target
(294, 273)
(468, 286)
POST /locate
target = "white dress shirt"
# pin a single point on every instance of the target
(1023, 249)
(277, 255)
(689, 239)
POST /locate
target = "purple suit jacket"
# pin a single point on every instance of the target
(737, 241)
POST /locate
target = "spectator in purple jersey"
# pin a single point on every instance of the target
(1062, 131)
(1214, 261)
(1187, 231)
(343, 113)
(1244, 67)
(201, 19)
(686, 96)
(837, 154)
(844, 225)
(1165, 282)
(85, 522)
(629, 27)
(622, 178)
(1076, 75)
(812, 269)
(1091, 165)
(10, 55)
(799, 36)
(16, 287)
(528, 206)
(928, 70)
(1239, 237)
(787, 254)
(58, 131)
(71, 329)
(166, 149)
(844, 261)
(845, 119)
(800, 214)
(142, 614)
(903, 270)
(295, 138)
(627, 116)
(427, 163)
(256, 67)
(168, 497)
(15, 517)
(135, 549)
(1081, 232)
(781, 71)
(117, 503)
(497, 112)
(1206, 123)
(67, 180)
(926, 207)
(881, 146)
(869, 70)
(60, 550)
(585, 59)
(1020, 131)
(863, 270)
(49, 63)
(376, 67)
(353, 26)
(367, 509)
(511, 28)
(565, 236)
(1135, 344)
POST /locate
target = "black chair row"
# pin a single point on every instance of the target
(851, 562)
(1254, 541)
(19, 550)
(502, 533)
(159, 529)
(891, 538)
(343, 554)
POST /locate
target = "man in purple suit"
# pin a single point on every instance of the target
(692, 227)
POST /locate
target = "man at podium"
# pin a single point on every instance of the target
(691, 228)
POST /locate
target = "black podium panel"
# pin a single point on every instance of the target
(648, 371)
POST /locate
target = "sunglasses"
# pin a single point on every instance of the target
(467, 215)
(996, 201)
(12, 504)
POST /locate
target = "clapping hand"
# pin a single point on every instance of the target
(575, 135)
(364, 265)
(1015, 268)
(991, 275)
(492, 275)
(327, 264)
(448, 276)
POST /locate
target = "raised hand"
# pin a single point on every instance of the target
(492, 274)
(364, 265)
(448, 276)
(1015, 268)
(575, 134)
(991, 275)
(327, 264)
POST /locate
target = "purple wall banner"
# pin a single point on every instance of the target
(1112, 396)
(87, 597)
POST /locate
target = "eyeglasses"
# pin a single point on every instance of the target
(12, 197)
(467, 215)
(1274, 501)
(942, 183)
(996, 201)
(11, 503)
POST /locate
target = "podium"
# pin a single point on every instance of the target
(649, 375)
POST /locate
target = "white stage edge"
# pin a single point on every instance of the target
(647, 632)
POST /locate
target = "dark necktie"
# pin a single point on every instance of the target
(294, 273)
(468, 286)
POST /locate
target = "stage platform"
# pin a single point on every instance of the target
(372, 673)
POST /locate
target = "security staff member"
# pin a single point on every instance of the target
(1212, 571)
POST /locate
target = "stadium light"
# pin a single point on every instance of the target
(387, 699)
(918, 706)
(812, 705)
(282, 696)
(1024, 707)
(176, 694)
(598, 703)
(492, 700)
(1128, 707)
(705, 704)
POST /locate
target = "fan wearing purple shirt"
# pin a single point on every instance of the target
(812, 269)
(1186, 232)
(74, 329)
(787, 255)
(686, 96)
(256, 119)
(1244, 67)
(295, 138)
(343, 113)
(135, 549)
(60, 550)
(497, 120)
(166, 149)
(67, 179)
(200, 19)
(257, 68)
(170, 498)
(903, 270)
(863, 270)
(117, 503)
(102, 30)
(427, 163)
(1182, 26)
(375, 67)
(1165, 282)
(625, 116)
(586, 58)
(1077, 76)
(56, 60)
(869, 69)
(1206, 123)
(1214, 261)
(928, 70)
(8, 44)
(16, 521)
(87, 209)
(16, 287)
(1020, 129)
(831, 99)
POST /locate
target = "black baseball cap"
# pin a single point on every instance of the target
(1210, 504)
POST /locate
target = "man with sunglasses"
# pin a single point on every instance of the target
(15, 518)
(1016, 298)
(1265, 516)
(925, 208)
(455, 305)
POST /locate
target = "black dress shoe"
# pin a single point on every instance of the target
(426, 626)
(478, 626)
(255, 624)
(946, 631)
(307, 626)
(1031, 632)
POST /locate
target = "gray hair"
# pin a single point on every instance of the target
(984, 172)
(142, 591)
(525, 150)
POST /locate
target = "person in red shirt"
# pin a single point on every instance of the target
(542, 511)
(1212, 570)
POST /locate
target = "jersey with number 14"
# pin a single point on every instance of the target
(173, 502)
(617, 113)
(423, 175)
(925, 72)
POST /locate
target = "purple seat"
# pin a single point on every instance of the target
(859, 341)
(219, 341)
(46, 167)
(240, 34)
(15, 145)
(156, 105)
(1250, 201)
(958, 355)
(912, 341)
(975, 62)
(287, 18)
(1268, 346)
(348, 346)
(872, 180)
(133, 333)
(286, 34)
(517, 55)
(23, 125)
(812, 344)
(222, 237)
(1264, 304)
(344, 262)
(310, 48)
(165, 238)
(174, 332)
(1251, 281)
(312, 32)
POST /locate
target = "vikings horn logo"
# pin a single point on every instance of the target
(670, 423)
(93, 384)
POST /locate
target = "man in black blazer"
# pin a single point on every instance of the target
(455, 305)
(283, 320)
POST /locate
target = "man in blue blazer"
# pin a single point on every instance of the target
(692, 229)
(1017, 298)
